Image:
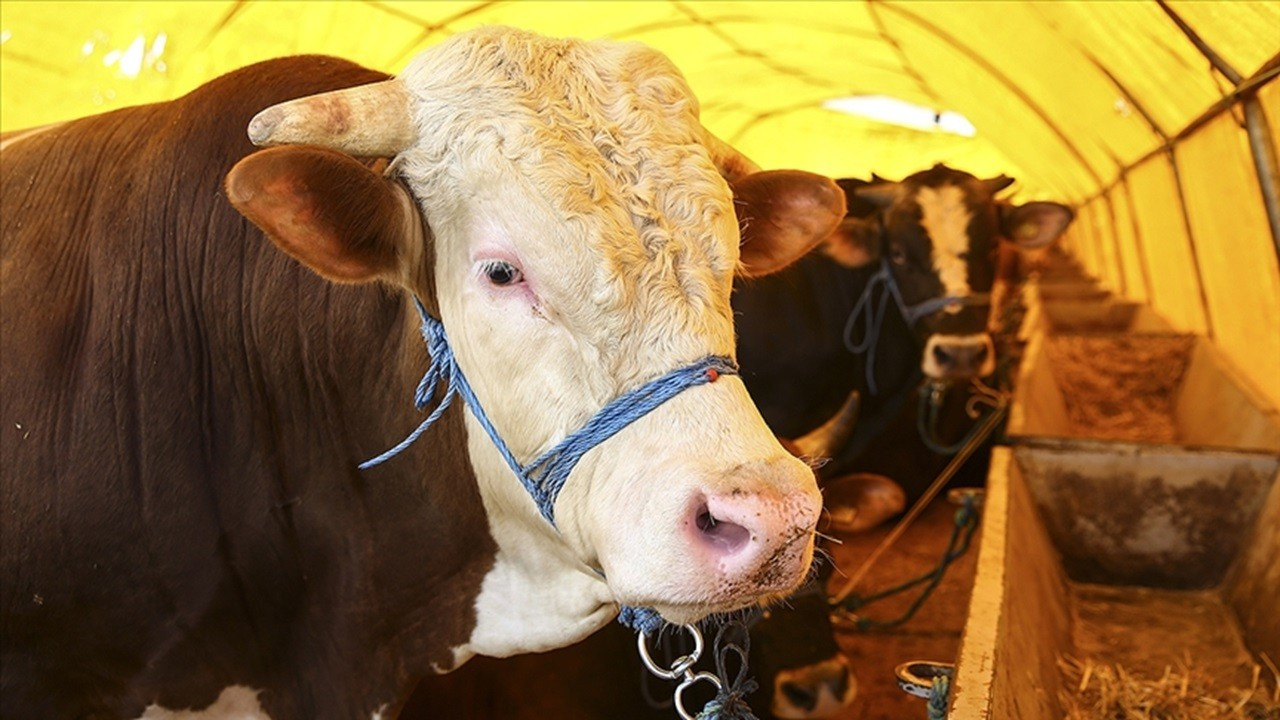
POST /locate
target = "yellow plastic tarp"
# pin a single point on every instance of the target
(1067, 97)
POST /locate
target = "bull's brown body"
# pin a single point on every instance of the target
(183, 408)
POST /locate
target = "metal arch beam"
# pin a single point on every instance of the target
(903, 60)
(832, 29)
(1003, 79)
(236, 8)
(1268, 73)
(759, 57)
(1261, 147)
(1138, 244)
(1265, 163)
(1218, 62)
(768, 115)
(429, 29)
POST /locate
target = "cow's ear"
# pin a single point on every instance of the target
(1035, 225)
(783, 215)
(855, 243)
(327, 210)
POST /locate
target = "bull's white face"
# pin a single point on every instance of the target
(585, 243)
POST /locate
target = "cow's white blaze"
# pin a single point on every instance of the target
(945, 217)
(601, 193)
(236, 702)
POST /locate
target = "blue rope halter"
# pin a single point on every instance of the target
(544, 477)
(866, 306)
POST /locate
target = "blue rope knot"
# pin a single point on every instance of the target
(939, 697)
(643, 620)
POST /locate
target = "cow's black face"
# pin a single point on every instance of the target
(941, 234)
(795, 655)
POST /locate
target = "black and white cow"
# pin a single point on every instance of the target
(906, 282)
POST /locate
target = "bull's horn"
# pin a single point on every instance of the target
(732, 164)
(880, 194)
(371, 120)
(831, 436)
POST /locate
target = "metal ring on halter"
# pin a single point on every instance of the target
(681, 664)
(961, 495)
(689, 680)
(917, 677)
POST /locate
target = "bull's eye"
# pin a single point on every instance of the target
(501, 272)
(898, 256)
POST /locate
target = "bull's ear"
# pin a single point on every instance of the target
(783, 215)
(855, 243)
(1035, 225)
(327, 210)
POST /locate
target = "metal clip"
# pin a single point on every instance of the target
(681, 669)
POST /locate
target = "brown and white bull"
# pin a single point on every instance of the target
(183, 406)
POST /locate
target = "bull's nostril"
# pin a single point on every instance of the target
(941, 355)
(799, 696)
(840, 684)
(725, 536)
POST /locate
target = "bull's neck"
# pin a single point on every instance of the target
(407, 543)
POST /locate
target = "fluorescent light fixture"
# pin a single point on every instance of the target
(892, 111)
(131, 60)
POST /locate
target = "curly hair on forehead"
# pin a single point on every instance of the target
(607, 135)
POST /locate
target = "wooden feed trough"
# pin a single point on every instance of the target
(1151, 557)
(1080, 316)
(1044, 289)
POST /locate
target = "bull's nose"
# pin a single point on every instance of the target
(958, 356)
(816, 691)
(758, 535)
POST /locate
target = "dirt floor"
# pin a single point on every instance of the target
(933, 634)
(1120, 387)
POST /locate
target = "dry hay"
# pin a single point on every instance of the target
(1101, 691)
(1120, 387)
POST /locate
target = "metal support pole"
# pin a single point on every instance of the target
(1217, 61)
(1255, 121)
(1264, 161)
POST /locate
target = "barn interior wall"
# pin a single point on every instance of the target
(1237, 257)
(1175, 285)
(1187, 231)
(1129, 244)
(1109, 262)
(1074, 99)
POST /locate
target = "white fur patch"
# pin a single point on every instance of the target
(538, 595)
(234, 703)
(813, 678)
(945, 218)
